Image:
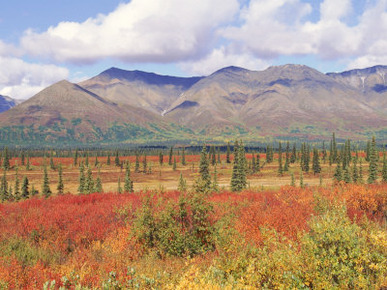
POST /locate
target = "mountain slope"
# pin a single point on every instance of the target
(288, 99)
(140, 89)
(66, 111)
(6, 103)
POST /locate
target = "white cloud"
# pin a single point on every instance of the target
(220, 58)
(139, 31)
(21, 80)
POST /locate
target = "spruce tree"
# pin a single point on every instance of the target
(287, 157)
(373, 167)
(144, 164)
(355, 173)
(60, 186)
(96, 161)
(316, 161)
(293, 156)
(98, 184)
(182, 186)
(17, 192)
(117, 159)
(170, 156)
(128, 185)
(334, 148)
(108, 161)
(174, 163)
(361, 178)
(183, 162)
(218, 151)
(384, 168)
(301, 179)
(238, 177)
(292, 180)
(215, 184)
(280, 167)
(161, 158)
(258, 163)
(228, 152)
(81, 187)
(6, 164)
(4, 187)
(28, 168)
(89, 182)
(23, 158)
(338, 176)
(347, 176)
(253, 164)
(52, 165)
(25, 188)
(46, 191)
(75, 157)
(137, 163)
(203, 183)
(119, 188)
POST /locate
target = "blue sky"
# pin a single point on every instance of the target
(44, 41)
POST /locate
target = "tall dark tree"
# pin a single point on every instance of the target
(287, 157)
(46, 191)
(75, 157)
(238, 177)
(170, 160)
(128, 185)
(4, 194)
(334, 148)
(137, 163)
(203, 183)
(228, 152)
(384, 168)
(6, 157)
(161, 158)
(108, 161)
(338, 176)
(81, 187)
(280, 167)
(117, 159)
(293, 156)
(316, 161)
(89, 181)
(373, 167)
(17, 192)
(60, 186)
(144, 164)
(25, 193)
(183, 162)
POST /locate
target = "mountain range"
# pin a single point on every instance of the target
(289, 101)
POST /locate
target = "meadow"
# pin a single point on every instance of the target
(285, 229)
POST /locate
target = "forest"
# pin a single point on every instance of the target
(285, 215)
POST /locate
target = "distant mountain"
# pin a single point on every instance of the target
(6, 103)
(282, 100)
(371, 82)
(289, 101)
(140, 89)
(68, 112)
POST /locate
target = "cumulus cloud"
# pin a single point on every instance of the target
(21, 80)
(138, 31)
(267, 34)
(220, 58)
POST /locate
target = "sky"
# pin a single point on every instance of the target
(45, 41)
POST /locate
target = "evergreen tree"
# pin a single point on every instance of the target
(287, 157)
(174, 163)
(182, 186)
(98, 184)
(293, 156)
(203, 184)
(28, 163)
(4, 187)
(218, 151)
(144, 164)
(292, 180)
(316, 161)
(355, 173)
(368, 151)
(258, 163)
(238, 177)
(76, 157)
(361, 179)
(253, 164)
(373, 167)
(347, 176)
(215, 184)
(17, 192)
(6, 164)
(117, 159)
(170, 156)
(128, 185)
(119, 188)
(108, 161)
(25, 188)
(96, 161)
(60, 186)
(81, 187)
(23, 158)
(183, 157)
(137, 164)
(338, 176)
(334, 148)
(52, 165)
(213, 155)
(161, 158)
(324, 153)
(228, 160)
(87, 159)
(384, 168)
(280, 168)
(301, 179)
(46, 191)
(89, 182)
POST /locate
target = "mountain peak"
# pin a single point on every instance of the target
(230, 69)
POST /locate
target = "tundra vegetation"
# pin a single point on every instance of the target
(281, 216)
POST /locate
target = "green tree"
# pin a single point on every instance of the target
(89, 182)
(338, 176)
(384, 168)
(316, 161)
(170, 156)
(373, 167)
(293, 156)
(174, 163)
(183, 162)
(238, 177)
(228, 152)
(128, 185)
(215, 184)
(161, 158)
(203, 183)
(81, 187)
(287, 157)
(182, 186)
(60, 186)
(76, 157)
(108, 161)
(137, 163)
(4, 187)
(6, 157)
(144, 164)
(119, 188)
(25, 188)
(17, 192)
(117, 159)
(46, 191)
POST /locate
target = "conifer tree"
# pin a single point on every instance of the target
(355, 173)
(238, 177)
(46, 191)
(117, 159)
(98, 184)
(361, 179)
(182, 186)
(128, 185)
(119, 188)
(6, 164)
(161, 158)
(316, 161)
(60, 186)
(89, 182)
(17, 192)
(75, 157)
(228, 152)
(338, 176)
(86, 159)
(81, 187)
(23, 158)
(96, 161)
(174, 163)
(280, 168)
(218, 151)
(347, 176)
(287, 157)
(258, 163)
(25, 188)
(203, 184)
(373, 167)
(215, 184)
(170, 156)
(213, 155)
(144, 164)
(183, 162)
(137, 164)
(368, 151)
(334, 148)
(301, 179)
(292, 180)
(4, 187)
(108, 161)
(293, 156)
(253, 164)
(28, 163)
(324, 153)
(384, 168)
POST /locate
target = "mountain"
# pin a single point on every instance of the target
(149, 91)
(289, 101)
(66, 111)
(6, 103)
(371, 82)
(281, 100)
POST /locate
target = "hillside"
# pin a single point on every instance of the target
(7, 103)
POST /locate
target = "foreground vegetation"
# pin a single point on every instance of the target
(289, 217)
